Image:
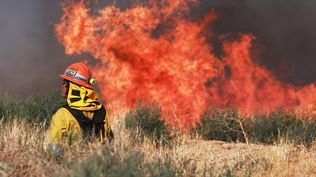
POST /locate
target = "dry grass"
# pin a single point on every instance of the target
(22, 153)
(23, 150)
(278, 160)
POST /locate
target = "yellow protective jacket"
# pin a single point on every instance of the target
(64, 127)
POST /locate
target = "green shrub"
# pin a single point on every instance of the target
(7, 107)
(145, 121)
(112, 164)
(220, 125)
(226, 125)
(40, 108)
(281, 124)
(35, 109)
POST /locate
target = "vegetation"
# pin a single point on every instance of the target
(229, 125)
(35, 109)
(220, 125)
(276, 144)
(145, 121)
(110, 163)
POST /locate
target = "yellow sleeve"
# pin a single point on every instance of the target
(58, 127)
(64, 128)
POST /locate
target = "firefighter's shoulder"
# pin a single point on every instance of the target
(63, 115)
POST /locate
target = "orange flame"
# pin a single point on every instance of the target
(175, 67)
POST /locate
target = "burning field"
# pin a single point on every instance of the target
(155, 52)
(180, 103)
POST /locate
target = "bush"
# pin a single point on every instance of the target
(265, 128)
(7, 107)
(281, 124)
(112, 165)
(220, 125)
(40, 108)
(34, 109)
(145, 121)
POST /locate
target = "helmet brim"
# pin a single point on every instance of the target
(79, 82)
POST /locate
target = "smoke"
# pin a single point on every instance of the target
(31, 57)
(284, 29)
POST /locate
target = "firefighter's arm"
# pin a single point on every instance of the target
(57, 131)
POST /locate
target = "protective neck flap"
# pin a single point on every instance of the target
(82, 98)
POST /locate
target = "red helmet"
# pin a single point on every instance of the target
(78, 73)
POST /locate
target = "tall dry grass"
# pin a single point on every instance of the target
(23, 153)
(279, 144)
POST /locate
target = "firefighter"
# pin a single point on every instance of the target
(84, 117)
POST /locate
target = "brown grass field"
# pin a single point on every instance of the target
(23, 153)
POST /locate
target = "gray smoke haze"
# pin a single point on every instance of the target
(31, 57)
(285, 30)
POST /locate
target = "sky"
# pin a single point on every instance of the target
(31, 57)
